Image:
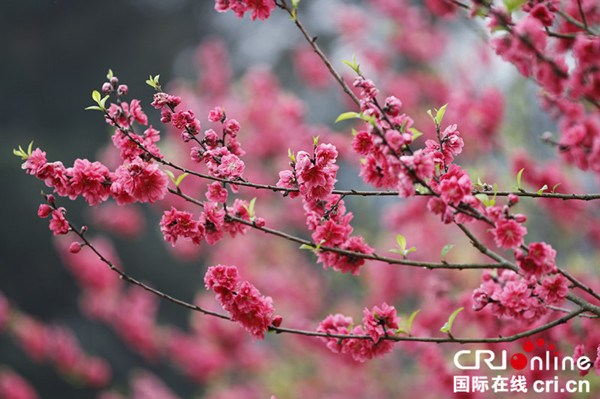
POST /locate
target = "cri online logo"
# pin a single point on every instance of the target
(471, 360)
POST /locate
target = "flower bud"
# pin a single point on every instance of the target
(122, 90)
(114, 81)
(277, 321)
(74, 247)
(520, 218)
(107, 88)
(44, 210)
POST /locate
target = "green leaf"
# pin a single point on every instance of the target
(250, 208)
(485, 200)
(96, 96)
(415, 133)
(554, 188)
(180, 179)
(430, 115)
(172, 176)
(110, 74)
(513, 5)
(103, 101)
(354, 65)
(295, 3)
(20, 153)
(319, 245)
(401, 242)
(447, 328)
(94, 107)
(519, 187)
(291, 155)
(309, 247)
(315, 141)
(440, 114)
(396, 251)
(541, 190)
(445, 251)
(410, 320)
(153, 82)
(30, 146)
(347, 115)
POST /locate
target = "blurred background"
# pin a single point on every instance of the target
(54, 53)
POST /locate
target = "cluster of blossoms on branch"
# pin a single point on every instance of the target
(375, 323)
(524, 291)
(242, 300)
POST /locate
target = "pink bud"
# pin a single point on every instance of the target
(74, 247)
(520, 218)
(122, 90)
(44, 210)
(513, 199)
(107, 88)
(260, 222)
(277, 321)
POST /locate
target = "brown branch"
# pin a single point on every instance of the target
(353, 254)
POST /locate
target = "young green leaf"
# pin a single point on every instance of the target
(541, 190)
(347, 115)
(180, 179)
(291, 155)
(354, 65)
(96, 96)
(172, 176)
(447, 328)
(251, 208)
(410, 320)
(415, 133)
(445, 251)
(30, 146)
(485, 200)
(309, 247)
(315, 141)
(94, 108)
(519, 187)
(440, 114)
(554, 188)
(401, 242)
(110, 74)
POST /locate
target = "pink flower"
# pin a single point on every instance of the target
(347, 263)
(454, 185)
(362, 350)
(241, 299)
(44, 210)
(144, 182)
(540, 259)
(380, 319)
(232, 127)
(231, 166)
(213, 220)
(335, 324)
(331, 233)
(508, 233)
(88, 179)
(216, 192)
(59, 224)
(136, 110)
(287, 179)
(35, 163)
(362, 143)
(553, 289)
(480, 299)
(175, 224)
(216, 114)
(221, 279)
